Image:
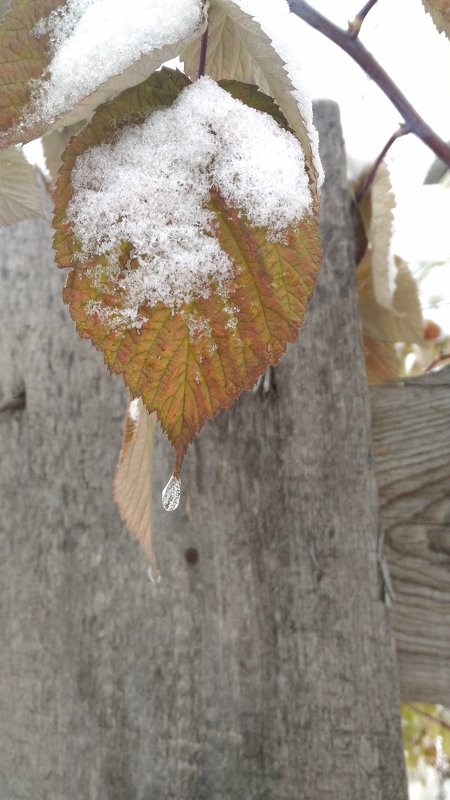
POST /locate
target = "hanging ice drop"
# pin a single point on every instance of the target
(171, 494)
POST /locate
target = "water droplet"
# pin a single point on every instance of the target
(171, 494)
(153, 578)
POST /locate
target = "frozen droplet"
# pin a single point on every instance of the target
(171, 494)
(154, 578)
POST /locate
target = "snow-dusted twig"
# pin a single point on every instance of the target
(352, 45)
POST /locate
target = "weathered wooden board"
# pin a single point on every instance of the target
(411, 435)
(263, 671)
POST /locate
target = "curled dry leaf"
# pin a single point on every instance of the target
(382, 362)
(25, 59)
(133, 479)
(19, 191)
(402, 323)
(379, 232)
(440, 13)
(189, 363)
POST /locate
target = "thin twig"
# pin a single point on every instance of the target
(353, 46)
(367, 182)
(438, 721)
(355, 26)
(14, 405)
(203, 52)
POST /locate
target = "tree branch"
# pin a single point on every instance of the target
(402, 131)
(352, 45)
(355, 26)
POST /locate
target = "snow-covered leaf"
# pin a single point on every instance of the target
(133, 479)
(57, 68)
(402, 323)
(238, 49)
(19, 192)
(199, 271)
(440, 13)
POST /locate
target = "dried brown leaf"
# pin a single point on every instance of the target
(404, 322)
(133, 479)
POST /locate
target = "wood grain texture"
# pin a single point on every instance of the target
(265, 668)
(411, 435)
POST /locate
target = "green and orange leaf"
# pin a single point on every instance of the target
(188, 364)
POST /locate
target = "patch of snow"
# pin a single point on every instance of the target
(152, 186)
(92, 40)
(275, 19)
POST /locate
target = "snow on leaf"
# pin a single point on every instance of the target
(19, 192)
(189, 359)
(58, 62)
(404, 322)
(239, 49)
(439, 10)
(133, 479)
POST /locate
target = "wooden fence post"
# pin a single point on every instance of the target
(263, 666)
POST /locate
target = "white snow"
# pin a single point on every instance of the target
(152, 187)
(275, 19)
(92, 40)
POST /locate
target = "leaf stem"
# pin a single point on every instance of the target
(203, 52)
(355, 26)
(367, 182)
(356, 50)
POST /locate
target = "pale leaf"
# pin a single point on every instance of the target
(440, 14)
(19, 192)
(382, 363)
(380, 237)
(54, 144)
(238, 49)
(133, 479)
(404, 322)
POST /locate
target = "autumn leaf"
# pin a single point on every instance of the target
(189, 363)
(26, 74)
(439, 10)
(19, 192)
(402, 323)
(382, 362)
(133, 479)
(377, 212)
(240, 50)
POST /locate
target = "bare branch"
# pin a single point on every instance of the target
(355, 26)
(352, 45)
(402, 131)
